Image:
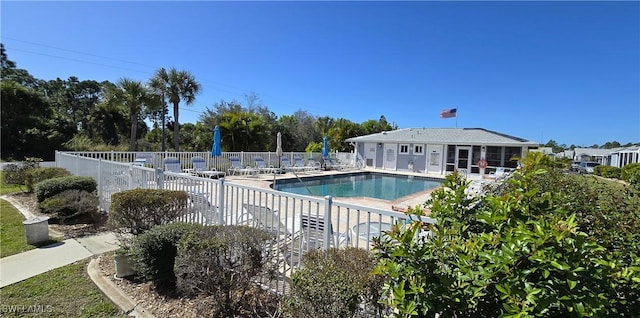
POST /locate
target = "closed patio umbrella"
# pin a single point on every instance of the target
(325, 151)
(216, 148)
(279, 147)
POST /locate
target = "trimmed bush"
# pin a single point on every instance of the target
(631, 174)
(48, 188)
(71, 204)
(607, 171)
(36, 175)
(226, 262)
(138, 210)
(154, 252)
(336, 283)
(15, 173)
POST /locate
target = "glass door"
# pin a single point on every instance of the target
(463, 158)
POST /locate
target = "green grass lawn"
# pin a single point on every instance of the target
(7, 188)
(64, 292)
(12, 236)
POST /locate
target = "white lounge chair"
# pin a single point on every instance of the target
(501, 173)
(262, 167)
(200, 169)
(265, 218)
(143, 159)
(286, 164)
(237, 168)
(332, 163)
(307, 168)
(172, 164)
(201, 210)
(313, 228)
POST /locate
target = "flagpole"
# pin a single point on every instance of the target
(457, 109)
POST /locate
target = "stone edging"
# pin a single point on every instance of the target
(115, 294)
(25, 212)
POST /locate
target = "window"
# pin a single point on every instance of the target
(451, 154)
(404, 148)
(417, 149)
(494, 156)
(510, 155)
(475, 155)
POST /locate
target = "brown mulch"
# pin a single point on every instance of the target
(71, 228)
(166, 303)
(158, 303)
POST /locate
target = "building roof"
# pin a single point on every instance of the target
(594, 152)
(451, 136)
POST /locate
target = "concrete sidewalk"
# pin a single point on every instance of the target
(16, 268)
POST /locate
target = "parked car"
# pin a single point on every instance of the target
(587, 166)
(574, 166)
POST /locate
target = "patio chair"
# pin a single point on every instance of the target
(201, 210)
(262, 167)
(237, 168)
(501, 173)
(313, 228)
(265, 218)
(200, 169)
(307, 168)
(172, 164)
(287, 166)
(332, 163)
(143, 159)
(313, 163)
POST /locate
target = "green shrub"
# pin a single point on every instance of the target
(13, 173)
(48, 188)
(335, 283)
(154, 252)
(523, 252)
(16, 173)
(36, 175)
(71, 204)
(631, 174)
(226, 262)
(607, 171)
(138, 210)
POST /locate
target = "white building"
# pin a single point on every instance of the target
(621, 157)
(440, 150)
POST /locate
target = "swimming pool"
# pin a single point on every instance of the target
(362, 184)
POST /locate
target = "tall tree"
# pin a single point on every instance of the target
(175, 86)
(134, 97)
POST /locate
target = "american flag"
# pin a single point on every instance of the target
(448, 113)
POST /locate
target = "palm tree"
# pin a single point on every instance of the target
(175, 86)
(133, 96)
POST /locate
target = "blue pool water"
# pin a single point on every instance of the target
(364, 184)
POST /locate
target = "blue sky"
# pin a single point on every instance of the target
(566, 71)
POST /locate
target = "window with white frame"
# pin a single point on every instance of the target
(418, 149)
(404, 148)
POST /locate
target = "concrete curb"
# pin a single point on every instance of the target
(26, 213)
(109, 289)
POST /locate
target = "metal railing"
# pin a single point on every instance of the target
(343, 224)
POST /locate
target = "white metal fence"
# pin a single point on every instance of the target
(300, 223)
(221, 163)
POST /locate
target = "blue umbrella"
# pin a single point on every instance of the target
(325, 147)
(216, 149)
